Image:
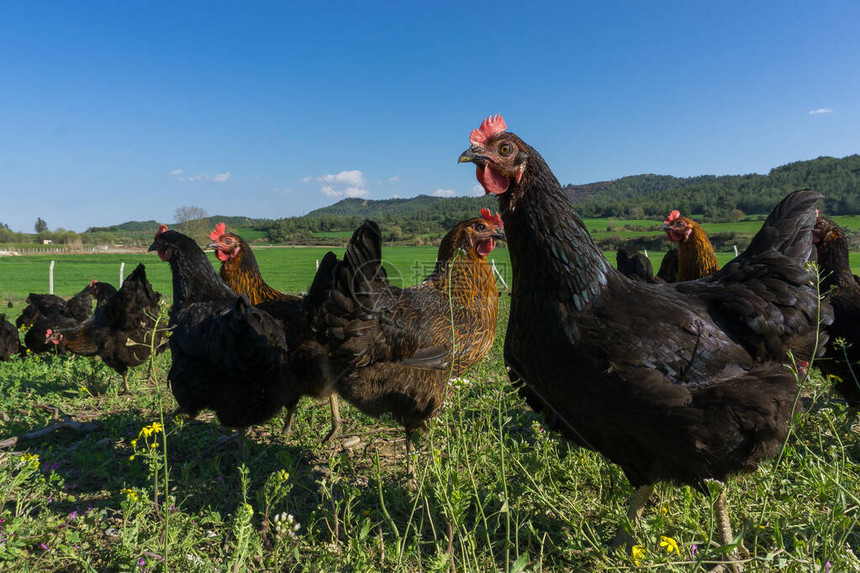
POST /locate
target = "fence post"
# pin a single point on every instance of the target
(318, 264)
(51, 278)
(121, 273)
(736, 250)
(498, 274)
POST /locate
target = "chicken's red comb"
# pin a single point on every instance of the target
(94, 281)
(490, 127)
(161, 229)
(220, 229)
(672, 216)
(493, 219)
(816, 213)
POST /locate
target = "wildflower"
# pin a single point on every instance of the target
(285, 523)
(283, 475)
(131, 458)
(637, 552)
(664, 510)
(44, 546)
(140, 564)
(670, 544)
(130, 494)
(147, 431)
(827, 567)
(693, 548)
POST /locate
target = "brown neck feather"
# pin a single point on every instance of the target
(696, 256)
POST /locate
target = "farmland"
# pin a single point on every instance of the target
(144, 491)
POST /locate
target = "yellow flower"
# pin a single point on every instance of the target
(134, 443)
(664, 510)
(131, 458)
(670, 544)
(130, 494)
(153, 445)
(637, 552)
(283, 475)
(147, 431)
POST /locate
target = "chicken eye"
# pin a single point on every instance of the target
(480, 227)
(505, 149)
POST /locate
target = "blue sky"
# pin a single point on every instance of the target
(120, 111)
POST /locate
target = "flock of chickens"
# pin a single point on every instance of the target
(676, 377)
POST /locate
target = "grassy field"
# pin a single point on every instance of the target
(142, 491)
(290, 269)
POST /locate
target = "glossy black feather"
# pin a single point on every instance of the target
(46, 312)
(670, 381)
(121, 329)
(228, 356)
(634, 265)
(9, 341)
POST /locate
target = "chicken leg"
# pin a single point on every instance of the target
(634, 511)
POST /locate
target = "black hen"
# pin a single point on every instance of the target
(228, 356)
(672, 382)
(121, 329)
(9, 341)
(46, 312)
(842, 291)
(668, 272)
(634, 265)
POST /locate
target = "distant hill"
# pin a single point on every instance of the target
(381, 209)
(132, 227)
(712, 198)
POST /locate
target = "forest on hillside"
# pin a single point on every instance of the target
(711, 198)
(727, 197)
(420, 219)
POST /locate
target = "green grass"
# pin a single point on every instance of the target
(493, 485)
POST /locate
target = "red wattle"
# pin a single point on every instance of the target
(486, 247)
(491, 181)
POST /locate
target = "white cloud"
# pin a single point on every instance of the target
(354, 178)
(444, 193)
(477, 190)
(307, 179)
(393, 179)
(353, 184)
(282, 191)
(217, 178)
(820, 111)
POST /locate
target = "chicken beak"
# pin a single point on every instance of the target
(467, 156)
(499, 235)
(213, 245)
(664, 227)
(152, 247)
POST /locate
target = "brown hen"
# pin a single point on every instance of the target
(696, 256)
(399, 347)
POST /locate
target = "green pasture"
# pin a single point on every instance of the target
(138, 490)
(289, 269)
